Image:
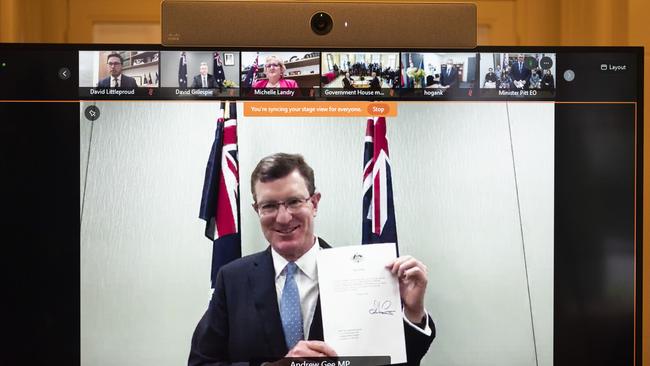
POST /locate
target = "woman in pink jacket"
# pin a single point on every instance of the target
(274, 69)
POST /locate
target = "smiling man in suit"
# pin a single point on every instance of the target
(520, 73)
(116, 79)
(203, 79)
(266, 306)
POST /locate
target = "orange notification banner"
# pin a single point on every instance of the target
(320, 109)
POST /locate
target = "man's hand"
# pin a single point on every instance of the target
(311, 349)
(412, 276)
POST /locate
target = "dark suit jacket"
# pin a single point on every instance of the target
(516, 74)
(375, 84)
(347, 85)
(126, 82)
(451, 80)
(243, 322)
(212, 83)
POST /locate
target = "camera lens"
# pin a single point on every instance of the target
(321, 23)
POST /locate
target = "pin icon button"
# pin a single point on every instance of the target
(92, 113)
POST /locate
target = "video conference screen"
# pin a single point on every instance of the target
(513, 174)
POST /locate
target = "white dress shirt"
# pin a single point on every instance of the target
(306, 280)
(119, 81)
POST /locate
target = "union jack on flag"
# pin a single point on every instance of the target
(409, 80)
(378, 208)
(220, 198)
(217, 59)
(217, 68)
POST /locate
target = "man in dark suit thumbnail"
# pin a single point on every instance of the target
(116, 79)
(449, 75)
(347, 82)
(266, 306)
(203, 79)
(375, 83)
(520, 74)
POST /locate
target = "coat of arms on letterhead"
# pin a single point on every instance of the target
(356, 258)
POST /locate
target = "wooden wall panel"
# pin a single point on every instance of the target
(496, 22)
(8, 20)
(594, 23)
(33, 21)
(85, 15)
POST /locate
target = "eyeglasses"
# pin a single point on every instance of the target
(292, 205)
(272, 65)
(114, 63)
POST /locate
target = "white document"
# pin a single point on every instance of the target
(360, 301)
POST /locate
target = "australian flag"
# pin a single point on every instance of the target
(409, 80)
(378, 222)
(504, 61)
(217, 67)
(220, 199)
(252, 73)
(182, 71)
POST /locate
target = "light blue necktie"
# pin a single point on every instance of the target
(290, 308)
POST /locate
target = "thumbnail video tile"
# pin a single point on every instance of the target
(200, 74)
(360, 74)
(109, 74)
(272, 74)
(438, 75)
(517, 74)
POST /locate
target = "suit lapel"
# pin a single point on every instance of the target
(316, 329)
(262, 285)
(323, 244)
